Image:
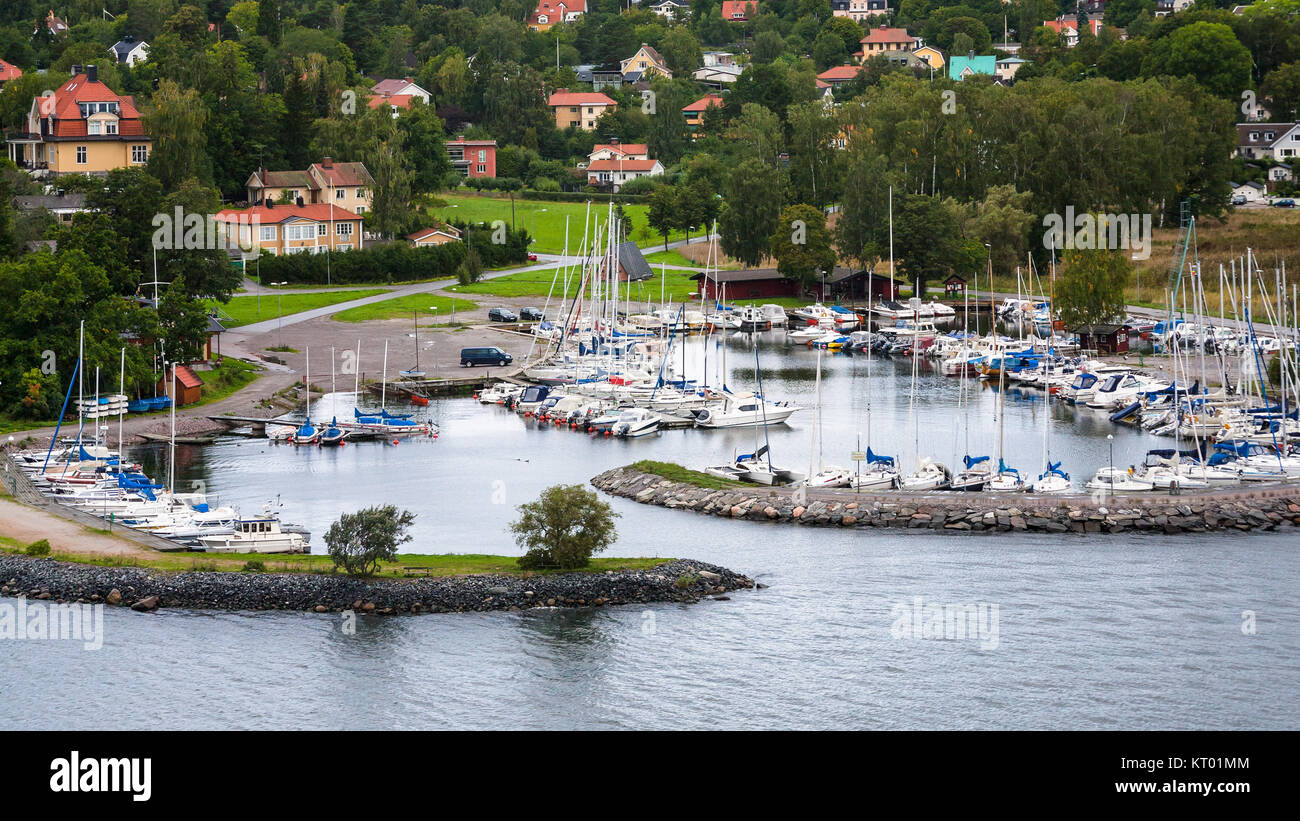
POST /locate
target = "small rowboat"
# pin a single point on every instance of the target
(419, 399)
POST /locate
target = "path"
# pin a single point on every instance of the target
(27, 524)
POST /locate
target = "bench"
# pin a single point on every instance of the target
(412, 571)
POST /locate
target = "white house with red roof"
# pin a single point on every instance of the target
(292, 229)
(9, 71)
(616, 171)
(739, 11)
(553, 12)
(838, 75)
(1069, 27)
(400, 88)
(83, 127)
(619, 151)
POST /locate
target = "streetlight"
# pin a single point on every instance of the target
(1110, 439)
(278, 314)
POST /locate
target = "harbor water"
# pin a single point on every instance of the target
(1099, 632)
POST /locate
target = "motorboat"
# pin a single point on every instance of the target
(774, 314)
(1118, 480)
(738, 410)
(635, 422)
(752, 318)
(806, 334)
(928, 476)
(260, 534)
(1122, 389)
(830, 476)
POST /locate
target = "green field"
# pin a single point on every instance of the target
(403, 306)
(675, 286)
(245, 310)
(544, 221)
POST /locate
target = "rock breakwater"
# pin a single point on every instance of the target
(1235, 510)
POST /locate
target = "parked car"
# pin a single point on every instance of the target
(1284, 203)
(1239, 199)
(502, 315)
(532, 257)
(469, 357)
(532, 314)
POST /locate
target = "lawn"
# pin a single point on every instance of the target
(677, 473)
(544, 221)
(670, 285)
(442, 564)
(245, 310)
(403, 306)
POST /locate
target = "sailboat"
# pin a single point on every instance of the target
(415, 372)
(826, 475)
(882, 472)
(333, 435)
(1052, 479)
(306, 434)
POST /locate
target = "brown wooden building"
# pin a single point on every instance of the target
(1108, 339)
(187, 390)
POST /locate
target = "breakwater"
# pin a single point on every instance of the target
(1237, 509)
(679, 580)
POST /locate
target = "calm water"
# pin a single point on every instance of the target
(1091, 633)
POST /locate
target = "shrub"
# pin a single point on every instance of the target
(39, 548)
(564, 528)
(359, 541)
(254, 566)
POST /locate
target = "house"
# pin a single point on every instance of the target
(954, 287)
(959, 68)
(694, 112)
(1280, 173)
(9, 71)
(553, 12)
(619, 151)
(713, 59)
(396, 103)
(63, 205)
(670, 9)
(473, 158)
(1006, 68)
(344, 184)
(885, 40)
(1252, 191)
(861, 10)
(839, 75)
(438, 235)
(1106, 339)
(739, 11)
(1167, 7)
(292, 229)
(1268, 141)
(1068, 27)
(632, 266)
(718, 76)
(129, 51)
(187, 388)
(932, 56)
(579, 108)
(617, 171)
(83, 127)
(399, 88)
(646, 63)
(54, 25)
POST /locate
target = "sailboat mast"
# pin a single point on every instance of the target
(383, 384)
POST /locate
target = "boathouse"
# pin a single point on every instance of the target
(188, 388)
(1107, 339)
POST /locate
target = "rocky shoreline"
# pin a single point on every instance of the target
(1237, 510)
(680, 580)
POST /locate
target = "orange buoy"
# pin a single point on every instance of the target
(394, 441)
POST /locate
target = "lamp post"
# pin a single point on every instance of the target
(279, 329)
(1110, 440)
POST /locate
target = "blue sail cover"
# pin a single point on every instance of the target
(968, 461)
(1002, 468)
(1054, 468)
(876, 458)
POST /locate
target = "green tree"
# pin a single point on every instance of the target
(802, 245)
(768, 46)
(564, 528)
(268, 20)
(927, 239)
(663, 213)
(358, 542)
(1090, 287)
(750, 214)
(1208, 52)
(1003, 220)
(175, 119)
(1282, 87)
(681, 51)
(387, 163)
(815, 164)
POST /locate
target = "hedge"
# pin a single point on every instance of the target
(393, 262)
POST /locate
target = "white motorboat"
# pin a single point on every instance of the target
(774, 314)
(261, 534)
(635, 422)
(830, 476)
(928, 476)
(1123, 389)
(752, 318)
(1118, 480)
(739, 410)
(806, 334)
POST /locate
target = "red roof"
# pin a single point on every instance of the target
(266, 215)
(9, 71)
(437, 229)
(563, 96)
(840, 74)
(555, 14)
(342, 174)
(704, 102)
(886, 34)
(484, 143)
(391, 87)
(187, 377)
(738, 9)
(623, 165)
(399, 100)
(65, 107)
(623, 148)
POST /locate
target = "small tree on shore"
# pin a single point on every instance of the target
(564, 528)
(359, 541)
(1090, 289)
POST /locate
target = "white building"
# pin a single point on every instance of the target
(129, 51)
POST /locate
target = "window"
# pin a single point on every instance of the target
(340, 193)
(344, 247)
(300, 232)
(139, 154)
(482, 169)
(92, 128)
(81, 155)
(322, 229)
(267, 233)
(343, 229)
(361, 193)
(482, 155)
(110, 128)
(361, 209)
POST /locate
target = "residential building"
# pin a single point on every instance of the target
(713, 59)
(553, 12)
(292, 229)
(646, 63)
(437, 235)
(473, 158)
(1167, 7)
(397, 103)
(616, 171)
(861, 10)
(62, 205)
(1280, 173)
(839, 75)
(959, 68)
(9, 71)
(55, 25)
(619, 151)
(1268, 141)
(886, 40)
(579, 108)
(694, 112)
(1006, 69)
(932, 56)
(82, 128)
(344, 184)
(129, 51)
(400, 88)
(1252, 191)
(670, 9)
(739, 11)
(1068, 27)
(718, 76)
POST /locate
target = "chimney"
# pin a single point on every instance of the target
(327, 162)
(92, 74)
(76, 70)
(300, 202)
